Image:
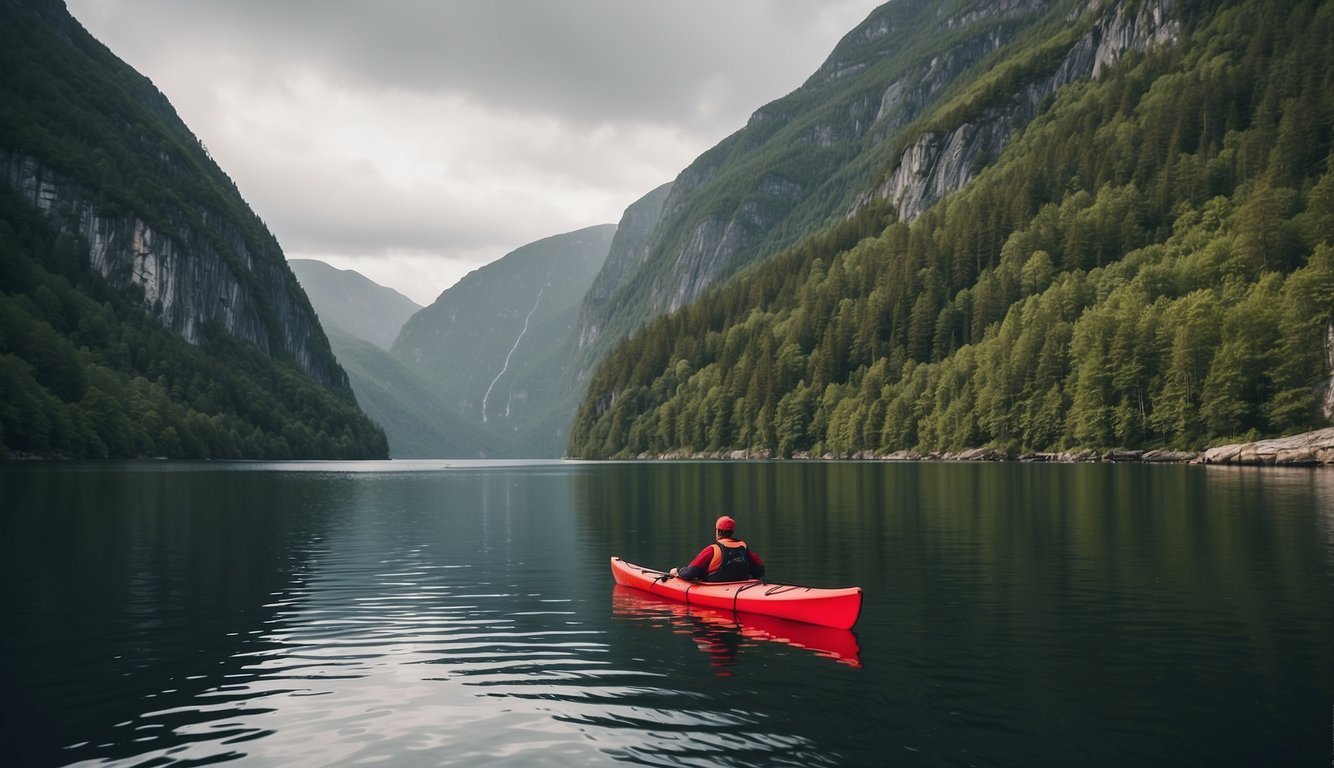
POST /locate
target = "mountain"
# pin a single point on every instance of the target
(497, 346)
(1110, 225)
(418, 423)
(148, 310)
(909, 106)
(363, 319)
(346, 300)
(804, 161)
(625, 258)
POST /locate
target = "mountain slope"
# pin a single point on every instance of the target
(172, 323)
(1147, 262)
(417, 423)
(909, 106)
(625, 257)
(346, 300)
(803, 161)
(495, 346)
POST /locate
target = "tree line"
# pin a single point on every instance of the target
(87, 374)
(1147, 264)
(86, 371)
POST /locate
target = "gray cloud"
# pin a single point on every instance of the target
(461, 127)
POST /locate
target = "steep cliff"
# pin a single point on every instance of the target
(944, 160)
(102, 153)
(628, 252)
(1145, 263)
(909, 106)
(198, 269)
(147, 311)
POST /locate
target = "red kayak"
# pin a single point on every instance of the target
(837, 644)
(836, 608)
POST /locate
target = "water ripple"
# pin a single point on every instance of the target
(404, 661)
(323, 618)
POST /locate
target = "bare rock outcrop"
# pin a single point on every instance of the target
(936, 164)
(1305, 450)
(189, 272)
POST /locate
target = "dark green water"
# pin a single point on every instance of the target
(433, 613)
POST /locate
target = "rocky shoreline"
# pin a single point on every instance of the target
(1309, 449)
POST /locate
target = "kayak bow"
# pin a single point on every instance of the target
(837, 608)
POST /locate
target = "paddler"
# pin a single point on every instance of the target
(726, 559)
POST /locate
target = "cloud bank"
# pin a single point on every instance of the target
(415, 140)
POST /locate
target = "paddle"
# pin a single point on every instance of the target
(664, 576)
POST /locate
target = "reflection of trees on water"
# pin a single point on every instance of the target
(178, 575)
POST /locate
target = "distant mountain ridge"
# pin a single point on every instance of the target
(486, 371)
(418, 422)
(496, 346)
(347, 300)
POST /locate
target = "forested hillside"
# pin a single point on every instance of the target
(418, 422)
(909, 106)
(497, 348)
(145, 310)
(1147, 263)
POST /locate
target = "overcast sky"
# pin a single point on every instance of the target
(416, 140)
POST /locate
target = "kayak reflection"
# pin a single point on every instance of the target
(721, 633)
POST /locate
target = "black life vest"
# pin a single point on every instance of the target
(731, 562)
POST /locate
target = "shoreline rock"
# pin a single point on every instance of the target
(1309, 449)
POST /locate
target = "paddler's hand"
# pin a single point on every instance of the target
(671, 574)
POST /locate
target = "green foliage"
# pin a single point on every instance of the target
(89, 379)
(499, 349)
(85, 370)
(1150, 263)
(417, 421)
(804, 160)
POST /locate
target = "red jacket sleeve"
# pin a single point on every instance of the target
(699, 567)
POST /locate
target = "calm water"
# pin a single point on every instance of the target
(438, 613)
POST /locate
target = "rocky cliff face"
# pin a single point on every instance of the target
(629, 251)
(935, 164)
(816, 155)
(801, 161)
(202, 271)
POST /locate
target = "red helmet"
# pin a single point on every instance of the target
(725, 523)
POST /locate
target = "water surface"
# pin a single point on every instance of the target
(463, 613)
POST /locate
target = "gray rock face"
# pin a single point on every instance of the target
(934, 165)
(195, 275)
(1326, 388)
(872, 86)
(629, 251)
(1307, 449)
